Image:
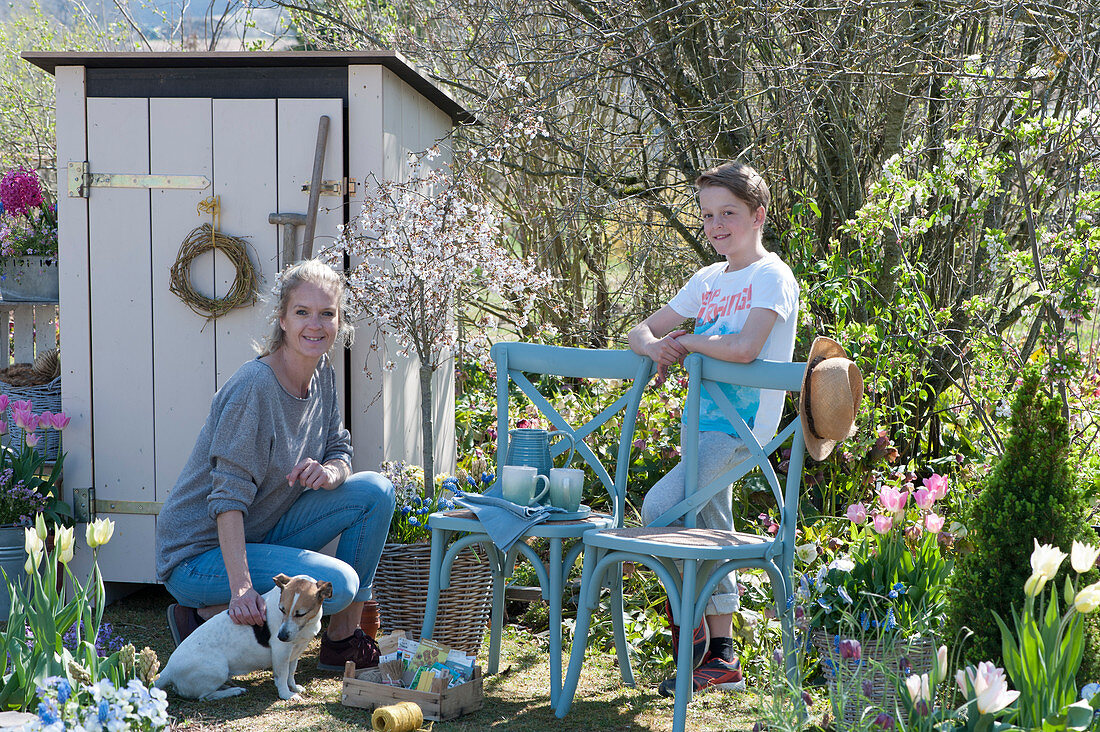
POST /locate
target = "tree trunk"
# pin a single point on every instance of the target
(427, 432)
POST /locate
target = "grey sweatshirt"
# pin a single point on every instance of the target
(255, 433)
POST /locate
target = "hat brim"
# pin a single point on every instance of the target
(826, 348)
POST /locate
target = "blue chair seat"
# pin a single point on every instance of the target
(677, 542)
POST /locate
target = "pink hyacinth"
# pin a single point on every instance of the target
(937, 484)
(857, 513)
(933, 523)
(20, 191)
(893, 500)
(883, 523)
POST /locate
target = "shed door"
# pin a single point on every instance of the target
(155, 363)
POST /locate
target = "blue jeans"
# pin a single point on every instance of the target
(358, 511)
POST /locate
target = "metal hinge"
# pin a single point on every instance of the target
(80, 180)
(87, 507)
(347, 186)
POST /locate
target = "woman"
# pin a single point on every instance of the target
(269, 483)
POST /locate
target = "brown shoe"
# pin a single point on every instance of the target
(360, 648)
(182, 621)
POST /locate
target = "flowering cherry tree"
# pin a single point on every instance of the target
(428, 246)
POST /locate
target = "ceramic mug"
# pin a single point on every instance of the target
(566, 486)
(518, 484)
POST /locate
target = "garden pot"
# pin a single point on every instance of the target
(12, 559)
(29, 279)
(401, 589)
(879, 669)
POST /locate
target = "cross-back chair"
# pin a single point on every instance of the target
(707, 555)
(454, 531)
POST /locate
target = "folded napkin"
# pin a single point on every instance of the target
(505, 522)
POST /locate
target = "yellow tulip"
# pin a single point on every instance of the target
(32, 562)
(99, 532)
(65, 544)
(32, 544)
(1088, 599)
(1034, 584)
(40, 526)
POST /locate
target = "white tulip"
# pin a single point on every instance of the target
(1046, 559)
(1088, 599)
(1083, 557)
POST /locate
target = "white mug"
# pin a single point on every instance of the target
(566, 486)
(517, 484)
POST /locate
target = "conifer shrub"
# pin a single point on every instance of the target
(1029, 494)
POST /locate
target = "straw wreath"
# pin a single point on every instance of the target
(204, 239)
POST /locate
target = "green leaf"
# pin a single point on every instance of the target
(1078, 715)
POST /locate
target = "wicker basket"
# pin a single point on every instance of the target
(44, 398)
(879, 665)
(401, 589)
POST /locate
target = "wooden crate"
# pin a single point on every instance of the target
(450, 704)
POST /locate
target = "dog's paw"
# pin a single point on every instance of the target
(294, 687)
(291, 697)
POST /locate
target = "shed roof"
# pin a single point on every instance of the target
(154, 72)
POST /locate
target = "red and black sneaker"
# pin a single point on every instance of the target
(716, 673)
(360, 648)
(700, 639)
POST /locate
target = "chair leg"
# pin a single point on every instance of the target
(619, 624)
(435, 572)
(580, 634)
(496, 621)
(556, 590)
(684, 654)
(786, 624)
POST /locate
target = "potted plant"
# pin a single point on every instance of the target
(401, 580)
(28, 238)
(886, 595)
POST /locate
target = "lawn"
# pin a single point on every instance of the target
(516, 699)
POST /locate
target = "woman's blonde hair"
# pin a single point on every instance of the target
(315, 272)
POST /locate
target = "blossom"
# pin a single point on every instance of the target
(65, 544)
(924, 498)
(933, 523)
(857, 513)
(807, 552)
(883, 523)
(20, 191)
(31, 438)
(1088, 599)
(893, 500)
(1045, 561)
(937, 485)
(1083, 557)
(883, 721)
(851, 648)
(34, 548)
(918, 687)
(988, 685)
(99, 532)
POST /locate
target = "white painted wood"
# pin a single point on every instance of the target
(23, 315)
(122, 327)
(74, 312)
(365, 415)
(180, 141)
(245, 178)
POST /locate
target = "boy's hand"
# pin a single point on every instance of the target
(666, 352)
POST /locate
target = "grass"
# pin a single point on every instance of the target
(518, 698)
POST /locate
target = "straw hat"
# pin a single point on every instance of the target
(829, 401)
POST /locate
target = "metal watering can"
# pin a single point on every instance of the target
(531, 447)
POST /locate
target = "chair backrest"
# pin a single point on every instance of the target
(515, 360)
(709, 374)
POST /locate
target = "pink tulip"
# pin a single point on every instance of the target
(4, 401)
(3, 427)
(924, 498)
(24, 420)
(857, 513)
(22, 406)
(933, 523)
(61, 421)
(32, 439)
(883, 523)
(46, 420)
(937, 484)
(892, 499)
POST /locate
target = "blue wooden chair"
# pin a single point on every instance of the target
(707, 555)
(454, 531)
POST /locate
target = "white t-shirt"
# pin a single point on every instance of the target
(720, 302)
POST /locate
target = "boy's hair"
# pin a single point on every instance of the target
(741, 180)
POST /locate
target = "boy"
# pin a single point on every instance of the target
(745, 308)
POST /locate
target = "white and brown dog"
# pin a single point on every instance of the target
(220, 649)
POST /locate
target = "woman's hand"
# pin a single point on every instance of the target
(248, 608)
(311, 474)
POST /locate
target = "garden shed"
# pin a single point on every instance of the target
(142, 140)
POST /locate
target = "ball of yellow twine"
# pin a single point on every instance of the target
(402, 717)
(205, 239)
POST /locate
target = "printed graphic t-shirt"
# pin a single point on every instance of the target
(720, 302)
